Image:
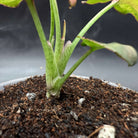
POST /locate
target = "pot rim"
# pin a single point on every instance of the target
(14, 81)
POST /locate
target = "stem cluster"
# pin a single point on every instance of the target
(56, 52)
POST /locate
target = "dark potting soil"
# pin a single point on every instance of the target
(65, 117)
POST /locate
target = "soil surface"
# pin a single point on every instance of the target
(65, 117)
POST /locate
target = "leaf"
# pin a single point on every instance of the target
(126, 52)
(123, 6)
(10, 3)
(128, 6)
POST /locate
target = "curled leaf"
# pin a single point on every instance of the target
(10, 3)
(126, 52)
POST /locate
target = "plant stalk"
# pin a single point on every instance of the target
(82, 32)
(58, 47)
(51, 67)
(77, 64)
(92, 21)
(39, 28)
(88, 25)
(51, 23)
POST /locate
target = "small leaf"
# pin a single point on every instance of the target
(126, 52)
(123, 6)
(10, 3)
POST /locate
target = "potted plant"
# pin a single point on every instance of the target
(72, 107)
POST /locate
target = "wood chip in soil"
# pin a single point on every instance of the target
(65, 117)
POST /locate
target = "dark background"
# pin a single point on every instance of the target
(21, 52)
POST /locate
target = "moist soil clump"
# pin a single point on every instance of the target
(67, 117)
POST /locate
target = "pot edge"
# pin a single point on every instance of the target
(14, 81)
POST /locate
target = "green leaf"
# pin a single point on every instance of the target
(10, 3)
(123, 6)
(126, 52)
(128, 6)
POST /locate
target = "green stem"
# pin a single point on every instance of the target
(51, 23)
(33, 11)
(51, 67)
(77, 64)
(58, 30)
(82, 32)
(89, 24)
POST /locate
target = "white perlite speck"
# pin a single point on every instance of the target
(107, 132)
(134, 118)
(86, 91)
(136, 134)
(80, 101)
(74, 115)
(18, 111)
(80, 136)
(31, 96)
(0, 132)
